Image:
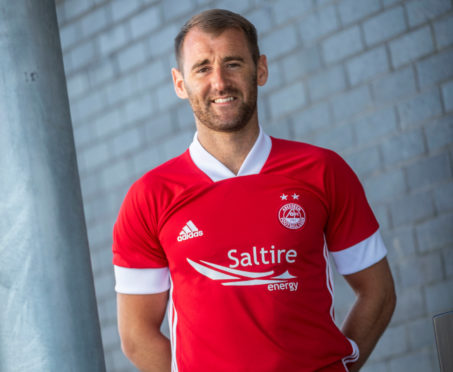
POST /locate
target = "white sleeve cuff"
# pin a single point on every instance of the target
(141, 281)
(361, 255)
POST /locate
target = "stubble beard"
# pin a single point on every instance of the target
(206, 116)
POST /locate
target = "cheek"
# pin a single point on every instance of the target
(197, 100)
(198, 91)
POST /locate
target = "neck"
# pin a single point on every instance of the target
(230, 148)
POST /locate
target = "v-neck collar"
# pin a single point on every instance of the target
(216, 171)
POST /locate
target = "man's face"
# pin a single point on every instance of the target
(220, 79)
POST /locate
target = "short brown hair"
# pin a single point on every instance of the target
(216, 21)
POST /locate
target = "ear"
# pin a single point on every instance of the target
(178, 83)
(262, 72)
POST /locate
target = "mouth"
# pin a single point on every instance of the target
(224, 99)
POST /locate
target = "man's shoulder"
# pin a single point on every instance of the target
(289, 149)
(178, 170)
(171, 166)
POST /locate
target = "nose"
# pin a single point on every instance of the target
(219, 79)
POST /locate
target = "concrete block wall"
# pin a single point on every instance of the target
(370, 79)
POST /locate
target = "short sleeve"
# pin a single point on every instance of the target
(361, 255)
(135, 241)
(351, 231)
(140, 262)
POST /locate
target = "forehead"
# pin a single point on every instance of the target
(203, 45)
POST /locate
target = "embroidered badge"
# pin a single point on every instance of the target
(292, 216)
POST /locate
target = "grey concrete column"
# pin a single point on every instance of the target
(48, 315)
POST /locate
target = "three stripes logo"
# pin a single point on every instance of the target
(189, 231)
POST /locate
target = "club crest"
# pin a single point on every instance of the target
(292, 216)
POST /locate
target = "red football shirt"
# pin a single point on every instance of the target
(247, 255)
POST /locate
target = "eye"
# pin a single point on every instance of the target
(203, 70)
(233, 65)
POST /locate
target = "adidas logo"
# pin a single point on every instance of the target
(189, 231)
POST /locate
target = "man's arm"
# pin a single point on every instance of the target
(139, 321)
(372, 310)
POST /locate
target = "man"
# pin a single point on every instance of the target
(236, 231)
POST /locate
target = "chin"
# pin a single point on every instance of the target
(236, 124)
(226, 127)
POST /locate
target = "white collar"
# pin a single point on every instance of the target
(216, 171)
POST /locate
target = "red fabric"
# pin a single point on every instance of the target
(281, 320)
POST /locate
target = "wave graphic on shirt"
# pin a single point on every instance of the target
(236, 277)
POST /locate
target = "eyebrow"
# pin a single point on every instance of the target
(226, 59)
(199, 64)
